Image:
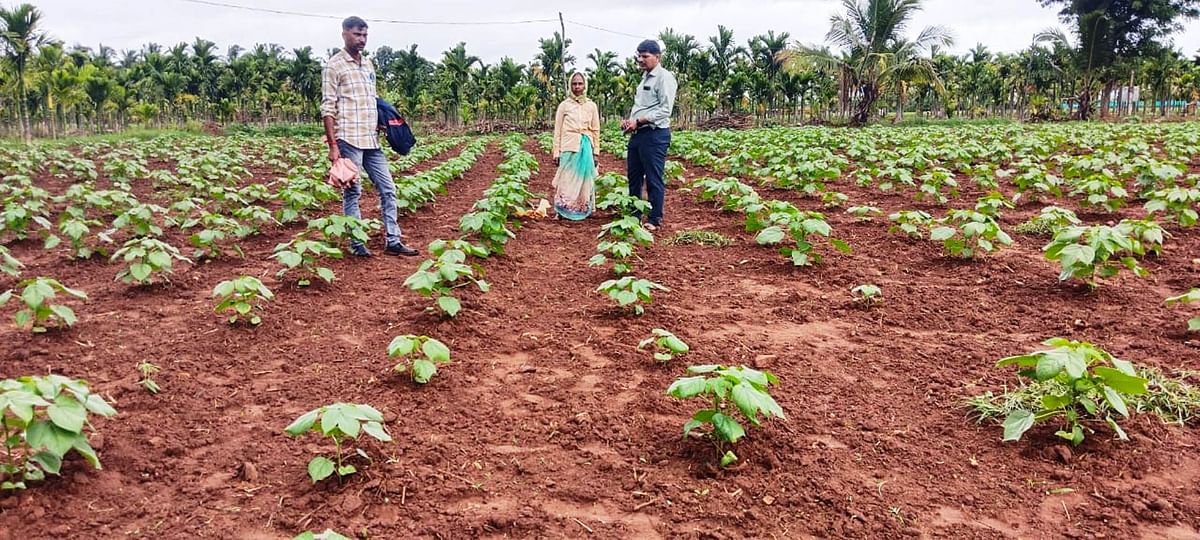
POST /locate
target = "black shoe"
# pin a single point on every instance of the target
(359, 250)
(401, 249)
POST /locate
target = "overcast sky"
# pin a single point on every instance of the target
(1001, 25)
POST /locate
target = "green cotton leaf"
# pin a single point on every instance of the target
(691, 425)
(675, 345)
(81, 445)
(840, 245)
(375, 429)
(67, 413)
(48, 461)
(159, 259)
(1077, 255)
(728, 458)
(290, 259)
(1116, 428)
(330, 420)
(1050, 365)
(718, 386)
(1016, 424)
(423, 371)
(727, 428)
(449, 305)
(1124, 366)
(436, 351)
(751, 400)
(1194, 325)
(34, 296)
(139, 271)
(97, 405)
(320, 468)
(402, 346)
(941, 233)
(223, 289)
(687, 387)
(64, 313)
(44, 434)
(770, 236)
(348, 424)
(1052, 402)
(301, 425)
(1122, 382)
(346, 470)
(1024, 360)
(324, 273)
(1114, 399)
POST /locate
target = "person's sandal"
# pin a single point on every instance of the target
(652, 227)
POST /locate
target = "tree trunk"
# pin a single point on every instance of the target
(862, 113)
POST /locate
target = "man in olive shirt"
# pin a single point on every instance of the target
(650, 123)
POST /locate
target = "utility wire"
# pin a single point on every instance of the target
(386, 21)
(593, 27)
(400, 21)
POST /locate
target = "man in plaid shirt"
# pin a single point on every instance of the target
(349, 112)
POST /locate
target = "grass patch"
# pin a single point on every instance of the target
(1171, 399)
(699, 238)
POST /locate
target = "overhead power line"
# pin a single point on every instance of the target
(227, 5)
(593, 27)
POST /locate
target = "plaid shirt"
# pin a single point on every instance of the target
(348, 95)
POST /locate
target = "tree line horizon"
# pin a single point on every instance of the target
(870, 67)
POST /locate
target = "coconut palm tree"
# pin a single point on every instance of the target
(875, 53)
(21, 36)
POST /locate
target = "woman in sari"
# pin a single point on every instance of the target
(576, 145)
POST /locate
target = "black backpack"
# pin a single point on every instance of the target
(400, 137)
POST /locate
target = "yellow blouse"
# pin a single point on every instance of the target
(572, 120)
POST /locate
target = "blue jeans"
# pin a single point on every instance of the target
(375, 163)
(645, 159)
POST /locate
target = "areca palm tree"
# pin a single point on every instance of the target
(457, 65)
(875, 53)
(724, 51)
(21, 36)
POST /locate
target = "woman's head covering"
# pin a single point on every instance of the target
(581, 98)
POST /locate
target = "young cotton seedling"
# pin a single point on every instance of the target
(966, 234)
(437, 278)
(630, 291)
(867, 295)
(1090, 389)
(243, 296)
(863, 213)
(146, 258)
(1088, 252)
(422, 354)
(305, 255)
(148, 370)
(746, 388)
(340, 422)
(42, 419)
(1192, 296)
(666, 345)
(37, 295)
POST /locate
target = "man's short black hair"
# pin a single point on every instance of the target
(649, 46)
(353, 22)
